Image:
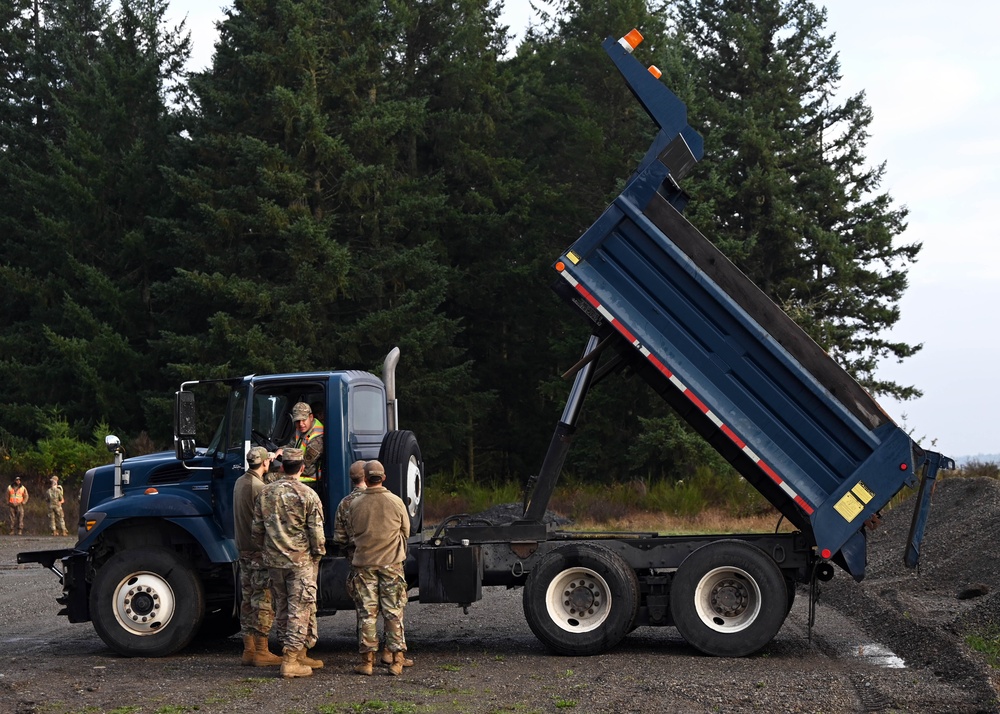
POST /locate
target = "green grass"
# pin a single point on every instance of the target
(987, 643)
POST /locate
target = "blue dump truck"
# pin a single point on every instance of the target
(155, 563)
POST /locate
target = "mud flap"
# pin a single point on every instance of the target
(853, 555)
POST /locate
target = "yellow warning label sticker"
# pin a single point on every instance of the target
(849, 506)
(573, 257)
(863, 493)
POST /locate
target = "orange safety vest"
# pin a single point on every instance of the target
(16, 496)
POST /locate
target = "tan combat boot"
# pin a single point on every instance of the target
(386, 658)
(308, 661)
(263, 657)
(249, 648)
(291, 667)
(367, 662)
(398, 662)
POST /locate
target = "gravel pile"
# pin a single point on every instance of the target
(927, 615)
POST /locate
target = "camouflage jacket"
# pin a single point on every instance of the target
(288, 524)
(342, 533)
(55, 496)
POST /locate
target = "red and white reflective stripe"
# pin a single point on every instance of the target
(656, 362)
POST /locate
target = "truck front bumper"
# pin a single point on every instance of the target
(72, 575)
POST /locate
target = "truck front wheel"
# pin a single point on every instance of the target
(728, 599)
(581, 599)
(146, 603)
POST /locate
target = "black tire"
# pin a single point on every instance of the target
(728, 599)
(404, 473)
(581, 599)
(146, 603)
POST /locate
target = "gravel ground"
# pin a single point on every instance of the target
(487, 660)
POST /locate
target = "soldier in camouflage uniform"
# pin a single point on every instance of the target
(342, 533)
(288, 527)
(309, 437)
(55, 497)
(256, 610)
(381, 526)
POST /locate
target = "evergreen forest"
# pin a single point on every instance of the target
(352, 175)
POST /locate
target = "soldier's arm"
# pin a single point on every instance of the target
(257, 525)
(314, 526)
(404, 527)
(340, 525)
(313, 452)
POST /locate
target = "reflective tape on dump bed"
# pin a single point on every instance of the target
(685, 390)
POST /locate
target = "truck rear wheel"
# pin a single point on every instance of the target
(146, 603)
(400, 455)
(728, 599)
(581, 599)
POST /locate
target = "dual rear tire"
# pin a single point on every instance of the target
(727, 599)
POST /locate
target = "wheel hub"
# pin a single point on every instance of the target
(730, 598)
(144, 603)
(581, 599)
(577, 600)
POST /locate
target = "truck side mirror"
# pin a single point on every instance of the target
(184, 425)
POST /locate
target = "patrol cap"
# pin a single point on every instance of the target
(292, 453)
(257, 454)
(301, 411)
(374, 471)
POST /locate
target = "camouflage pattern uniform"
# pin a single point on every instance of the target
(288, 526)
(311, 442)
(256, 608)
(342, 533)
(55, 498)
(381, 526)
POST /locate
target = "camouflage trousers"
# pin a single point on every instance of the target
(256, 608)
(379, 591)
(294, 591)
(16, 518)
(57, 521)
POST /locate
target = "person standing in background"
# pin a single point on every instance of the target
(55, 498)
(17, 497)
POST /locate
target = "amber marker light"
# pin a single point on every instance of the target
(90, 524)
(560, 266)
(631, 41)
(150, 491)
(655, 71)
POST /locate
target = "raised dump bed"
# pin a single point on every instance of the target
(734, 365)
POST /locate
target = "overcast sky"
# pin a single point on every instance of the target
(931, 73)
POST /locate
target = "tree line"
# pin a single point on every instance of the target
(350, 176)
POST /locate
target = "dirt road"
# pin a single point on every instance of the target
(488, 661)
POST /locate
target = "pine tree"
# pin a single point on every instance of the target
(78, 266)
(584, 133)
(315, 235)
(785, 188)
